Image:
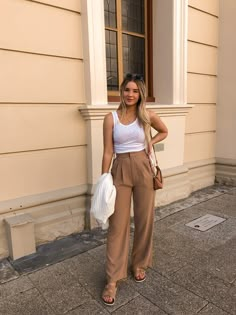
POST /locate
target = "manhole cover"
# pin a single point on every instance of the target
(205, 223)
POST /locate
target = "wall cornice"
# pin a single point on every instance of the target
(97, 112)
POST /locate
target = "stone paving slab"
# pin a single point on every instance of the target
(186, 215)
(7, 272)
(59, 288)
(90, 308)
(29, 302)
(99, 253)
(178, 246)
(220, 261)
(166, 264)
(14, 287)
(92, 276)
(211, 309)
(225, 204)
(139, 306)
(169, 296)
(207, 286)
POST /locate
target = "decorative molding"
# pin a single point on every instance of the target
(92, 15)
(170, 51)
(227, 162)
(200, 163)
(169, 172)
(21, 203)
(97, 112)
(180, 25)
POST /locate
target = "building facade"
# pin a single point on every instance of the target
(54, 96)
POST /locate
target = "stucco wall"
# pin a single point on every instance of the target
(42, 135)
(226, 109)
(200, 136)
(202, 81)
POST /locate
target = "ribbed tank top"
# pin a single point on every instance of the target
(127, 138)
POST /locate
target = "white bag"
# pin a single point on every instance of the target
(103, 201)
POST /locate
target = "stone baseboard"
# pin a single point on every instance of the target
(226, 171)
(180, 182)
(201, 173)
(53, 219)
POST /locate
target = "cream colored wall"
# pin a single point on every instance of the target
(226, 105)
(226, 110)
(42, 134)
(200, 137)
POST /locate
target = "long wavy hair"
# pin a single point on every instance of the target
(141, 112)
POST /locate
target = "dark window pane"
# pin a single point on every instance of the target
(133, 16)
(111, 61)
(133, 54)
(110, 13)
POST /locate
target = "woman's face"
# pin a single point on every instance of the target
(131, 94)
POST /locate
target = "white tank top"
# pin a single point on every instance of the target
(127, 138)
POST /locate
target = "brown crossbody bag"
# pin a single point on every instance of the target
(157, 174)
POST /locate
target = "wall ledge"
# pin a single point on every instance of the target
(97, 112)
(200, 163)
(12, 205)
(223, 161)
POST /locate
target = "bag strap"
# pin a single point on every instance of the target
(153, 154)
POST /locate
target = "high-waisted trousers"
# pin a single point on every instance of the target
(132, 175)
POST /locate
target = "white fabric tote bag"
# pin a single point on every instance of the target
(103, 201)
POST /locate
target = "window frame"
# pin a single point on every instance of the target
(113, 96)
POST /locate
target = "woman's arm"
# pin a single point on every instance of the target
(159, 126)
(107, 143)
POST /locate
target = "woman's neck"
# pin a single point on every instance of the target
(131, 109)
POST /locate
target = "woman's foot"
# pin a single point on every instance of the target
(109, 293)
(139, 275)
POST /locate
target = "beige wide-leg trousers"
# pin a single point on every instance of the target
(131, 175)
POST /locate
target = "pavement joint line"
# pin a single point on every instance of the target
(181, 286)
(211, 302)
(205, 306)
(147, 298)
(41, 294)
(196, 294)
(191, 291)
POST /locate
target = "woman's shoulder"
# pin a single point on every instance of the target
(151, 113)
(108, 116)
(108, 119)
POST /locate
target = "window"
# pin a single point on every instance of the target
(128, 28)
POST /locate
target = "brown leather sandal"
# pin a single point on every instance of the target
(109, 291)
(139, 275)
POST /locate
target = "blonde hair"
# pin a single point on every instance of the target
(141, 111)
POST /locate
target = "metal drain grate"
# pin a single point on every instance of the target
(205, 223)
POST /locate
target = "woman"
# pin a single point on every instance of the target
(125, 132)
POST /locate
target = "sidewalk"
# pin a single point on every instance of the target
(194, 272)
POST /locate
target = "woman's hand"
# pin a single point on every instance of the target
(149, 147)
(159, 126)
